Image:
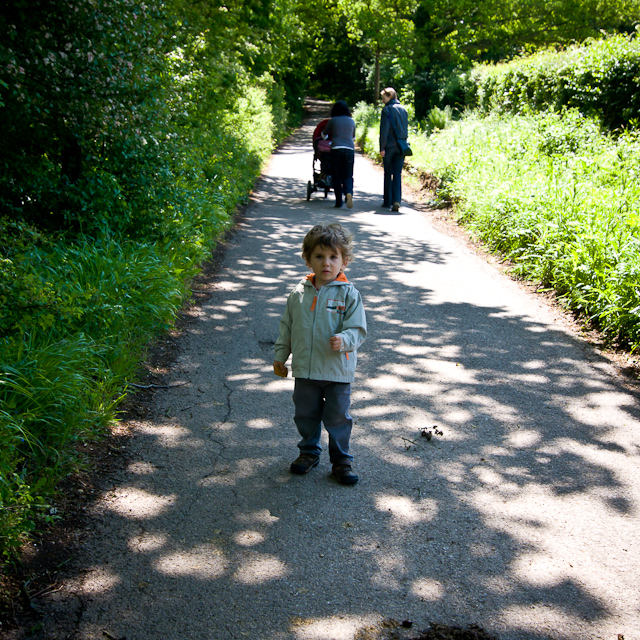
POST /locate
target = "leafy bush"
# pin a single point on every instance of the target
(438, 118)
(600, 78)
(367, 119)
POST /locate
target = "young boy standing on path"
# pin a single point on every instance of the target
(323, 326)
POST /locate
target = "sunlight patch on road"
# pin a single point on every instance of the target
(535, 364)
(333, 628)
(391, 567)
(137, 504)
(491, 478)
(523, 439)
(534, 619)
(243, 376)
(401, 460)
(427, 589)
(277, 385)
(205, 562)
(228, 285)
(385, 409)
(540, 570)
(454, 472)
(261, 569)
(562, 530)
(259, 423)
(263, 516)
(248, 538)
(601, 408)
(387, 382)
(407, 511)
(528, 378)
(97, 580)
(170, 436)
(147, 542)
(142, 468)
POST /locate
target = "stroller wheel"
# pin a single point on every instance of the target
(309, 190)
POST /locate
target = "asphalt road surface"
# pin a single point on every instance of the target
(520, 514)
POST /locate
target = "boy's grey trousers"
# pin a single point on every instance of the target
(317, 402)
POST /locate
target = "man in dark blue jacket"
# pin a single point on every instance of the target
(394, 124)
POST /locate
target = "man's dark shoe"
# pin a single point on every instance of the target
(385, 205)
(395, 206)
(344, 473)
(304, 463)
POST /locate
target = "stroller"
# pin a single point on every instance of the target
(321, 163)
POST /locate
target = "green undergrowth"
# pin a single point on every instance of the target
(558, 198)
(80, 309)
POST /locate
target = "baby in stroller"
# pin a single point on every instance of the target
(321, 162)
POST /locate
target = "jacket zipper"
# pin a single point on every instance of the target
(313, 326)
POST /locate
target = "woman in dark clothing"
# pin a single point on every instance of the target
(342, 129)
(392, 158)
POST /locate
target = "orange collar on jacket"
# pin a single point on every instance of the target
(341, 278)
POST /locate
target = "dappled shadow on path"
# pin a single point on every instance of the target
(500, 520)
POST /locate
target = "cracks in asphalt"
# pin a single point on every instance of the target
(230, 392)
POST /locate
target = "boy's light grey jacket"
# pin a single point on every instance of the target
(309, 321)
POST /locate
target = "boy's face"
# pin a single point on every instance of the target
(326, 263)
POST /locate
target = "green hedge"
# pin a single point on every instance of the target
(600, 78)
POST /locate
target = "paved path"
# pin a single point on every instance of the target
(522, 517)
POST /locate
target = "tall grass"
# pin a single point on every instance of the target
(54, 392)
(65, 363)
(558, 198)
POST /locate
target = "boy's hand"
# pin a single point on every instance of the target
(336, 343)
(279, 369)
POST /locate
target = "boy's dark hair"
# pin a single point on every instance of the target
(340, 108)
(332, 235)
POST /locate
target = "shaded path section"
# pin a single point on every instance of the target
(521, 517)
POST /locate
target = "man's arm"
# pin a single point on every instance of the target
(384, 130)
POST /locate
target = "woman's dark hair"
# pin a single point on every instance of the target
(340, 108)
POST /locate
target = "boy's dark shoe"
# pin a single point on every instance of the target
(344, 473)
(304, 463)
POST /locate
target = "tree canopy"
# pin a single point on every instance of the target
(95, 95)
(453, 34)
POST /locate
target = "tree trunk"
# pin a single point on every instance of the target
(376, 90)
